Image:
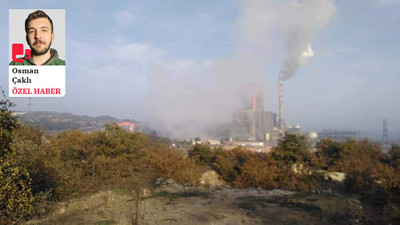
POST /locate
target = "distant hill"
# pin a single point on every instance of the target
(56, 122)
(394, 136)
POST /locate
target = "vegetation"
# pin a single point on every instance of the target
(16, 200)
(33, 163)
(202, 154)
(75, 163)
(36, 167)
(293, 165)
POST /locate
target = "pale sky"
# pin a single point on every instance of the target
(176, 64)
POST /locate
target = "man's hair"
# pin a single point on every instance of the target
(35, 15)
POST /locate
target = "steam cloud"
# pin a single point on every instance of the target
(187, 97)
(300, 19)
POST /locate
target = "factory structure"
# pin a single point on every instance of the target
(254, 124)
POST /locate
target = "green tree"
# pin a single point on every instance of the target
(8, 123)
(395, 157)
(330, 153)
(15, 193)
(31, 148)
(293, 149)
(202, 154)
(296, 161)
(225, 164)
(259, 170)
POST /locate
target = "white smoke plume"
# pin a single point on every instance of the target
(187, 97)
(300, 19)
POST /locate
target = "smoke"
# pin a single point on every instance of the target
(300, 19)
(188, 97)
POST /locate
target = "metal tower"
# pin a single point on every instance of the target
(385, 136)
(29, 109)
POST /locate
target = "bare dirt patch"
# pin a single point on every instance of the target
(172, 203)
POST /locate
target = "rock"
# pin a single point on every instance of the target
(335, 176)
(210, 179)
(61, 211)
(169, 185)
(169, 181)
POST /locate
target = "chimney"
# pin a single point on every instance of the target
(254, 102)
(281, 124)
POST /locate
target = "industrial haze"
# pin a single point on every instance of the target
(182, 67)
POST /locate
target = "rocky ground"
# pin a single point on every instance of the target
(171, 203)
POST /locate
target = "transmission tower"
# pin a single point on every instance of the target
(385, 136)
(29, 109)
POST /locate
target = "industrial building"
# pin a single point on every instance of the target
(253, 123)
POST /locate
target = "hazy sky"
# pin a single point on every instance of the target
(178, 64)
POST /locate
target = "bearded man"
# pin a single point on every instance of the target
(39, 35)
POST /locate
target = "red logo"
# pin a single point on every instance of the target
(18, 49)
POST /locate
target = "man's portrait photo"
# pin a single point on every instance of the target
(40, 36)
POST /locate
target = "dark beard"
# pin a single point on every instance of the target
(44, 51)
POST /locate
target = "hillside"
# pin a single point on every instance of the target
(95, 177)
(56, 121)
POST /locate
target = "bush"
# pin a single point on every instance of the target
(15, 193)
(225, 164)
(391, 214)
(16, 198)
(293, 149)
(395, 157)
(80, 163)
(32, 151)
(202, 154)
(171, 163)
(246, 169)
(259, 172)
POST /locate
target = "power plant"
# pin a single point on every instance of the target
(253, 124)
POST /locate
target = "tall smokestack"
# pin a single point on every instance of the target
(300, 20)
(281, 124)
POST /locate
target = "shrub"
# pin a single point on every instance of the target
(32, 151)
(15, 193)
(259, 172)
(293, 149)
(246, 169)
(8, 123)
(394, 154)
(171, 163)
(225, 164)
(202, 154)
(89, 162)
(16, 198)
